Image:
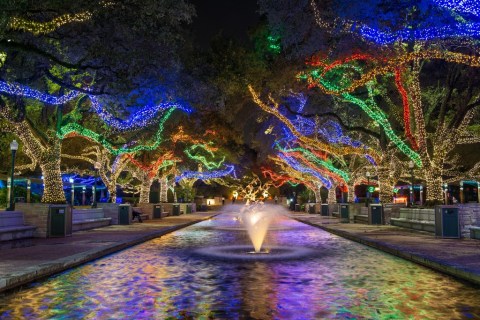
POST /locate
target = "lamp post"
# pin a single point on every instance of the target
(368, 188)
(13, 148)
(94, 189)
(411, 165)
(73, 190)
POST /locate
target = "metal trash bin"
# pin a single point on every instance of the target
(375, 214)
(344, 213)
(176, 210)
(325, 210)
(189, 208)
(311, 208)
(157, 211)
(297, 207)
(124, 214)
(59, 221)
(447, 224)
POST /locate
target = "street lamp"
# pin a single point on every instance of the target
(368, 188)
(73, 190)
(411, 165)
(97, 166)
(14, 148)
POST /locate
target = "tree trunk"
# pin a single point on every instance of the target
(351, 193)
(385, 184)
(318, 197)
(112, 190)
(145, 190)
(332, 194)
(163, 189)
(433, 183)
(52, 177)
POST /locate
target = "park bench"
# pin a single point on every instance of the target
(474, 232)
(417, 219)
(361, 217)
(85, 219)
(12, 226)
(144, 216)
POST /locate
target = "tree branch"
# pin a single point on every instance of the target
(4, 43)
(339, 120)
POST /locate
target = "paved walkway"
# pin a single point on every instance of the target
(28, 260)
(457, 257)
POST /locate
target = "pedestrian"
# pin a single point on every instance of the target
(136, 214)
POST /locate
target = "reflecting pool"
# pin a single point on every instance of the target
(167, 278)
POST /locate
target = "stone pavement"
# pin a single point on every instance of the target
(24, 261)
(457, 257)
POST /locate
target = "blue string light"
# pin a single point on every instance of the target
(462, 6)
(297, 166)
(201, 175)
(17, 89)
(458, 30)
(139, 119)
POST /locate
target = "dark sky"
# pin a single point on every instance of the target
(233, 17)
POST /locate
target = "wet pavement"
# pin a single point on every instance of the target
(28, 260)
(457, 257)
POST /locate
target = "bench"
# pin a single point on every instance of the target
(474, 232)
(362, 217)
(12, 226)
(417, 219)
(85, 219)
(144, 216)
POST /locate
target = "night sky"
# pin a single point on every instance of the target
(232, 18)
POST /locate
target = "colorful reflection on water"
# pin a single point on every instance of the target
(165, 279)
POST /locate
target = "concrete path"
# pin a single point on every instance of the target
(28, 260)
(457, 257)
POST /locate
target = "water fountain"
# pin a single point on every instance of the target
(256, 219)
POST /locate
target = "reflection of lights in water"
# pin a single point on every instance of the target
(164, 279)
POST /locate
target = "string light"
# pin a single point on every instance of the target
(74, 129)
(297, 166)
(206, 175)
(37, 28)
(406, 109)
(407, 34)
(139, 119)
(142, 118)
(336, 150)
(310, 157)
(463, 6)
(203, 159)
(24, 91)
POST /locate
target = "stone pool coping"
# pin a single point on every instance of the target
(459, 258)
(29, 260)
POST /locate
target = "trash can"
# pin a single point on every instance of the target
(344, 213)
(124, 214)
(157, 211)
(176, 210)
(447, 223)
(297, 208)
(189, 208)
(311, 208)
(375, 214)
(325, 211)
(59, 221)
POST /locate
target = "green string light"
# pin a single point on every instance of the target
(75, 128)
